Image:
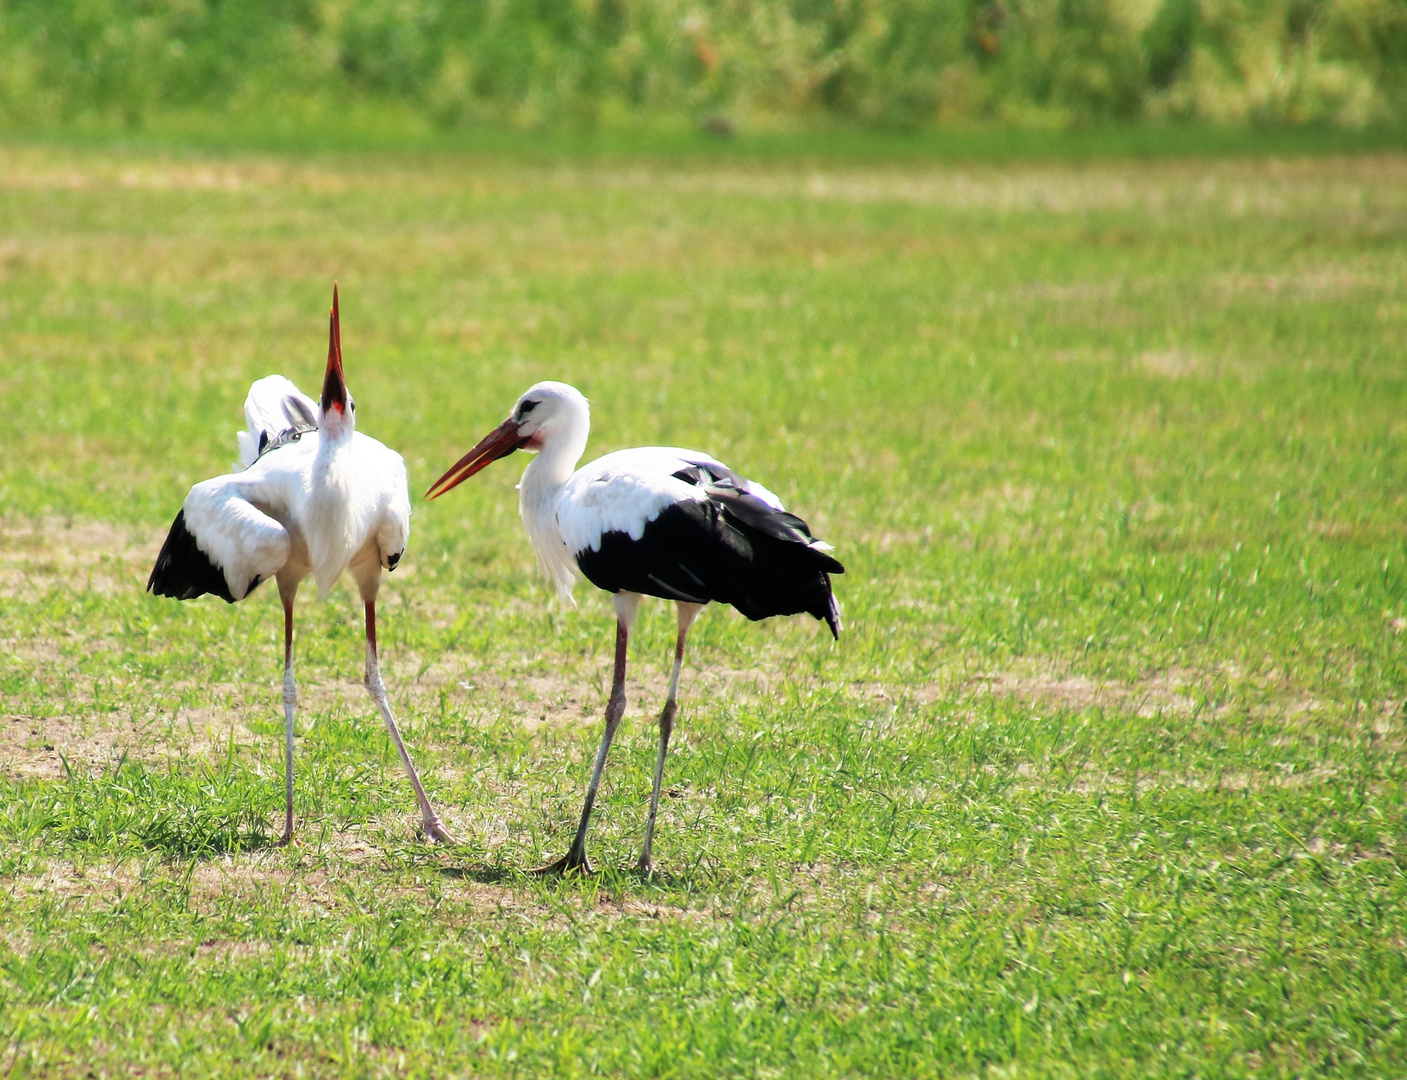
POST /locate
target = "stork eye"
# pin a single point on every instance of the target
(526, 407)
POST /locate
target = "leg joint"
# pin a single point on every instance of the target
(615, 709)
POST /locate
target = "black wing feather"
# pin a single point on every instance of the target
(731, 547)
(183, 571)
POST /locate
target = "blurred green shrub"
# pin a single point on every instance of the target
(889, 63)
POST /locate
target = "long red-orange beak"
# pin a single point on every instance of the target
(498, 443)
(334, 386)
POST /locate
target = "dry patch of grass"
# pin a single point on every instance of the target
(338, 875)
(1162, 693)
(54, 746)
(1319, 283)
(75, 554)
(36, 169)
(59, 745)
(1235, 188)
(114, 560)
(1169, 363)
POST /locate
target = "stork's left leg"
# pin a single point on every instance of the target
(434, 827)
(290, 703)
(687, 614)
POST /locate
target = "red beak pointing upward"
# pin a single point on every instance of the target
(334, 386)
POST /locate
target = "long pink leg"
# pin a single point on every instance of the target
(434, 827)
(687, 614)
(290, 704)
(575, 858)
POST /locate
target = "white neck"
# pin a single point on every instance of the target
(540, 490)
(337, 509)
(554, 464)
(336, 427)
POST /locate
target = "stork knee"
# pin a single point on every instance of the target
(615, 708)
(290, 689)
(667, 718)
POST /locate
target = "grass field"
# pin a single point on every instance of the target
(1105, 778)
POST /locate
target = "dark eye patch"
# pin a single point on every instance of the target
(526, 407)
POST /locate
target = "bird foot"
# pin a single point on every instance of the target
(645, 867)
(286, 838)
(435, 830)
(571, 862)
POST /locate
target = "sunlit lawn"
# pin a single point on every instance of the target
(1105, 777)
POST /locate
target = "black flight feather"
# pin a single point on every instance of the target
(732, 548)
(183, 571)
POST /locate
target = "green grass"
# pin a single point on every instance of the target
(1106, 776)
(363, 127)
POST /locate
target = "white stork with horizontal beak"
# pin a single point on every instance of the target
(315, 497)
(650, 521)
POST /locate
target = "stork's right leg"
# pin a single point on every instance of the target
(575, 858)
(687, 614)
(430, 819)
(290, 704)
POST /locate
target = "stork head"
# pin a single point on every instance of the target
(339, 411)
(551, 417)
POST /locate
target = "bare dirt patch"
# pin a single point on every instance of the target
(1361, 183)
(52, 747)
(82, 554)
(332, 878)
(49, 747)
(1315, 283)
(1163, 693)
(1169, 363)
(1356, 186)
(573, 692)
(33, 169)
(1174, 692)
(112, 559)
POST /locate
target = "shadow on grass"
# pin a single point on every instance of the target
(483, 875)
(603, 879)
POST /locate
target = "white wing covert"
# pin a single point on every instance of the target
(227, 537)
(274, 406)
(393, 527)
(624, 491)
(244, 542)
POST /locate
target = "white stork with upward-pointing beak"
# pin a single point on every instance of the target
(316, 497)
(651, 521)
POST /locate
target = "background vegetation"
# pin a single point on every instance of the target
(631, 63)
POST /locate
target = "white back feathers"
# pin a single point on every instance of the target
(274, 405)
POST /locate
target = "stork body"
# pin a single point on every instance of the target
(315, 497)
(650, 521)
